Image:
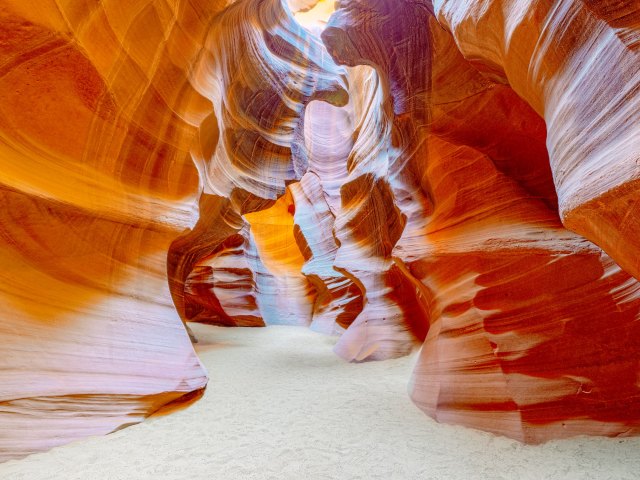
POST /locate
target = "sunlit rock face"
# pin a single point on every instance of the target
(455, 175)
(133, 139)
(532, 329)
(96, 180)
(259, 68)
(576, 64)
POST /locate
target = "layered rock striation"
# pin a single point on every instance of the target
(521, 312)
(452, 175)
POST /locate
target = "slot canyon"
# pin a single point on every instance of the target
(452, 184)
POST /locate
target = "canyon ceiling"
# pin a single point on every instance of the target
(460, 175)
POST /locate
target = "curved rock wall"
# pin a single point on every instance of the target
(96, 181)
(532, 328)
(576, 64)
(403, 173)
(259, 68)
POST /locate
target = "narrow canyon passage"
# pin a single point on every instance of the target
(444, 193)
(281, 405)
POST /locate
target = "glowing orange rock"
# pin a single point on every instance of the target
(532, 329)
(96, 182)
(576, 64)
(215, 154)
(115, 117)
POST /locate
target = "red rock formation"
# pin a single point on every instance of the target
(221, 288)
(115, 118)
(532, 328)
(443, 186)
(576, 64)
(252, 144)
(96, 182)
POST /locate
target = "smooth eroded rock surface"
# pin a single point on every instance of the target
(456, 176)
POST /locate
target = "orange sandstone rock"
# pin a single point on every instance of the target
(576, 64)
(510, 348)
(419, 173)
(96, 182)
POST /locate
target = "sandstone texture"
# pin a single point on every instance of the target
(456, 176)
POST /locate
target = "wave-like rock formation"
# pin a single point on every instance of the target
(456, 175)
(96, 182)
(576, 64)
(259, 68)
(532, 328)
(130, 146)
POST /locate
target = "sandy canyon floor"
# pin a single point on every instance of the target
(281, 405)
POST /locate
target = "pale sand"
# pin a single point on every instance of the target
(281, 405)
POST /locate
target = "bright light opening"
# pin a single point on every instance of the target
(312, 15)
